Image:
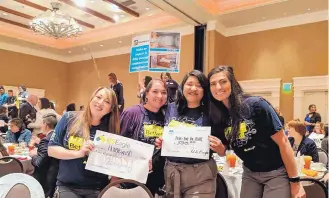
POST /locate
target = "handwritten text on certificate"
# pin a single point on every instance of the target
(190, 142)
(120, 157)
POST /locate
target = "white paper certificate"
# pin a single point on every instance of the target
(189, 142)
(120, 157)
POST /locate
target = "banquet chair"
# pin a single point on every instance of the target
(19, 190)
(221, 189)
(112, 191)
(314, 188)
(10, 165)
(323, 156)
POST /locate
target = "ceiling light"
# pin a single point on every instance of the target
(5, 14)
(285, 13)
(92, 1)
(69, 52)
(119, 41)
(122, 15)
(55, 24)
(147, 8)
(116, 17)
(149, 14)
(309, 9)
(80, 3)
(101, 45)
(115, 8)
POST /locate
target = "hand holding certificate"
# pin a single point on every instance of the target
(120, 157)
(190, 142)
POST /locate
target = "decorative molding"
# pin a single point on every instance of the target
(261, 86)
(305, 84)
(278, 23)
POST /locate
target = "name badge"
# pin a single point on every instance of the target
(152, 131)
(75, 143)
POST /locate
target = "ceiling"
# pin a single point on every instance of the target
(111, 24)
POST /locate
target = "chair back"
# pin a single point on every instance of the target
(323, 156)
(112, 191)
(19, 190)
(221, 189)
(19, 185)
(314, 188)
(10, 165)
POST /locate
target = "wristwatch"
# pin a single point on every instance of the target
(294, 179)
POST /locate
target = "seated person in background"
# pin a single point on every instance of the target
(46, 168)
(299, 142)
(12, 105)
(3, 119)
(324, 143)
(318, 134)
(17, 132)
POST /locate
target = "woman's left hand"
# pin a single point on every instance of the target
(216, 145)
(297, 190)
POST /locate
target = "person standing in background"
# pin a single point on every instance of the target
(22, 94)
(3, 96)
(27, 111)
(141, 87)
(117, 87)
(172, 86)
(11, 105)
(311, 118)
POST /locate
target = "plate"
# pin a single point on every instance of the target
(21, 157)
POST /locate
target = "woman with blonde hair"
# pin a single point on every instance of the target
(72, 141)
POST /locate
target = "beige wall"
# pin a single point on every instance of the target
(281, 53)
(35, 72)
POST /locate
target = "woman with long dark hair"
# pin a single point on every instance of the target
(251, 127)
(190, 110)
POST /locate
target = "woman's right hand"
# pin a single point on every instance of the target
(86, 148)
(158, 142)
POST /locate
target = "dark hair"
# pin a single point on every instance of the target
(149, 86)
(45, 104)
(17, 122)
(70, 107)
(23, 87)
(81, 107)
(219, 114)
(10, 90)
(325, 130)
(52, 106)
(1, 87)
(3, 110)
(50, 120)
(167, 74)
(181, 100)
(147, 80)
(113, 76)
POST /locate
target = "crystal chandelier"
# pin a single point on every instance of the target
(55, 24)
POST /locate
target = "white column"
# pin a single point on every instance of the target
(298, 104)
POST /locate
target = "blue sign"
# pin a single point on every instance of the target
(139, 58)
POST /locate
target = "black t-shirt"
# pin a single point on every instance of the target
(254, 144)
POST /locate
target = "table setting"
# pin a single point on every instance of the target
(21, 152)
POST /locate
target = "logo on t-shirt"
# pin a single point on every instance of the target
(75, 143)
(244, 134)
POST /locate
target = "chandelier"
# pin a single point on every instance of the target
(55, 24)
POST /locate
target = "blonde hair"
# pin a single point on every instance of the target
(82, 123)
(299, 126)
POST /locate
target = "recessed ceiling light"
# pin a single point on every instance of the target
(69, 52)
(119, 41)
(264, 17)
(80, 3)
(116, 17)
(91, 1)
(149, 14)
(309, 9)
(101, 45)
(115, 8)
(122, 15)
(285, 13)
(5, 14)
(147, 8)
